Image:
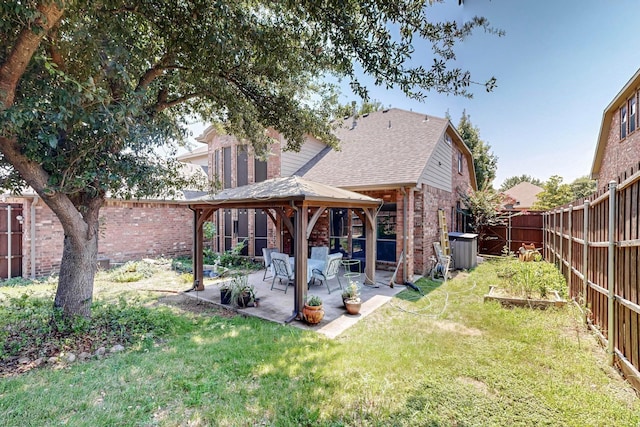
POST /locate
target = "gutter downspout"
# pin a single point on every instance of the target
(32, 227)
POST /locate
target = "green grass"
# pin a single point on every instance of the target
(442, 359)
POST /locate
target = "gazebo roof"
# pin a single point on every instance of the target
(281, 191)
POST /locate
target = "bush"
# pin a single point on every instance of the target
(133, 271)
(29, 326)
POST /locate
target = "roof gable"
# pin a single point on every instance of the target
(607, 116)
(524, 193)
(388, 148)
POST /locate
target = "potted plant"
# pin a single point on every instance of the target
(242, 294)
(351, 298)
(225, 292)
(312, 310)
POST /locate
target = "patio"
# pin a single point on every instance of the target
(276, 306)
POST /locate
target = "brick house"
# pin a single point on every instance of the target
(522, 196)
(618, 149)
(414, 162)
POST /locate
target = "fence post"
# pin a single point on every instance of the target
(570, 247)
(544, 235)
(561, 265)
(585, 256)
(611, 272)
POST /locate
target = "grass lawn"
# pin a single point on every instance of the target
(442, 359)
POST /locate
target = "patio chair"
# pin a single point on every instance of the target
(442, 264)
(281, 271)
(330, 271)
(319, 252)
(266, 256)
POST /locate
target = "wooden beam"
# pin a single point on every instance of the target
(314, 219)
(198, 255)
(370, 234)
(300, 240)
(285, 220)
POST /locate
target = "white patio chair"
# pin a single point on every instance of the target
(282, 271)
(266, 256)
(319, 252)
(330, 271)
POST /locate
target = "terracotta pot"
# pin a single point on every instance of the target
(352, 307)
(313, 314)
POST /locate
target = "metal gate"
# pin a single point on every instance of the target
(10, 240)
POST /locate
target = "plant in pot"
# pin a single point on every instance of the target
(351, 298)
(242, 294)
(312, 310)
(225, 292)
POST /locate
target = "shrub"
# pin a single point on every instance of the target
(532, 279)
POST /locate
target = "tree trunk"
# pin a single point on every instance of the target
(77, 272)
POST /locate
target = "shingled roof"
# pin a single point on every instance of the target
(383, 149)
(525, 194)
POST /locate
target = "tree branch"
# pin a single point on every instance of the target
(163, 105)
(154, 72)
(56, 57)
(38, 179)
(25, 46)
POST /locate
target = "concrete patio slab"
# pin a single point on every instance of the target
(276, 306)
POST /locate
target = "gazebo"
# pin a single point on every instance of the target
(286, 198)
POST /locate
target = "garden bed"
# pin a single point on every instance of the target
(503, 297)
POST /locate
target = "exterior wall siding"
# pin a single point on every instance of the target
(292, 161)
(439, 167)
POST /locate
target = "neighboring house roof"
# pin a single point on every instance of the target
(284, 189)
(197, 153)
(385, 149)
(524, 194)
(607, 116)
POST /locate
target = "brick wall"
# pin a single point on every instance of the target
(620, 155)
(128, 231)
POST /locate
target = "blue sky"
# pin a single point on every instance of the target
(560, 63)
(558, 66)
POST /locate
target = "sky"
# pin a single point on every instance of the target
(558, 66)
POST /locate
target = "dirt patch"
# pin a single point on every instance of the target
(192, 305)
(457, 328)
(476, 384)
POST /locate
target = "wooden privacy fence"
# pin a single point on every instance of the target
(596, 246)
(517, 228)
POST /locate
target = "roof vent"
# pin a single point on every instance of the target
(354, 124)
(365, 115)
(426, 118)
(389, 125)
(385, 110)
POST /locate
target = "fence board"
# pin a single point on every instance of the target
(564, 241)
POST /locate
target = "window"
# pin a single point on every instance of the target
(460, 163)
(623, 122)
(632, 114)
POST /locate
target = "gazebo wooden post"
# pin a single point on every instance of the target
(198, 256)
(370, 250)
(199, 218)
(301, 243)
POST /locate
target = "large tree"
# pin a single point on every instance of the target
(555, 193)
(88, 90)
(583, 187)
(515, 180)
(485, 162)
